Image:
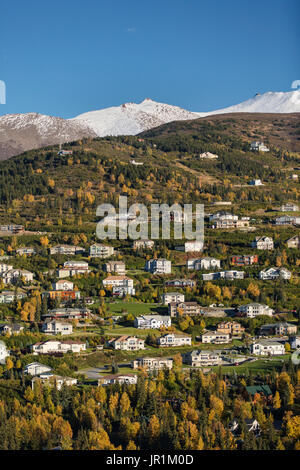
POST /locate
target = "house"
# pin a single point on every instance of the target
(287, 220)
(13, 275)
(208, 156)
(191, 246)
(66, 250)
(262, 390)
(12, 228)
(28, 251)
(8, 296)
(98, 250)
(143, 245)
(289, 207)
(129, 379)
(54, 346)
(12, 329)
(126, 343)
(228, 275)
(295, 342)
(200, 358)
(63, 285)
(293, 242)
(257, 146)
(158, 266)
(152, 321)
(294, 177)
(223, 215)
(67, 313)
(230, 223)
(55, 327)
(172, 340)
(255, 182)
(244, 260)
(265, 347)
(172, 297)
(254, 309)
(275, 273)
(203, 263)
(120, 285)
(5, 267)
(184, 308)
(4, 353)
(230, 327)
(117, 267)
(180, 283)
(36, 368)
(152, 363)
(215, 337)
(65, 152)
(71, 268)
(279, 328)
(52, 380)
(263, 243)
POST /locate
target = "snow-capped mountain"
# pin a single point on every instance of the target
(270, 102)
(20, 132)
(132, 118)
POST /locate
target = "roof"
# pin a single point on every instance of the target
(264, 389)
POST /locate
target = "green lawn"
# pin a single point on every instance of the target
(134, 307)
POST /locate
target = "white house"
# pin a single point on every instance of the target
(192, 246)
(295, 342)
(275, 273)
(152, 363)
(129, 379)
(254, 309)
(152, 321)
(98, 250)
(36, 368)
(257, 146)
(5, 267)
(121, 285)
(4, 353)
(172, 297)
(158, 266)
(54, 346)
(66, 250)
(143, 244)
(289, 207)
(287, 220)
(228, 275)
(203, 263)
(11, 276)
(126, 343)
(53, 380)
(63, 285)
(55, 327)
(26, 250)
(267, 348)
(199, 358)
(8, 296)
(255, 182)
(263, 243)
(71, 268)
(215, 337)
(172, 340)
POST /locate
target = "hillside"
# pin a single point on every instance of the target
(21, 132)
(41, 188)
(278, 130)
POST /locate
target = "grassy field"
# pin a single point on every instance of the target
(134, 307)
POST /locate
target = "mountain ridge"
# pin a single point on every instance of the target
(21, 132)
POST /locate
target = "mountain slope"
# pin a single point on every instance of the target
(132, 118)
(20, 132)
(270, 102)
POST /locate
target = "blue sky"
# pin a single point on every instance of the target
(71, 56)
